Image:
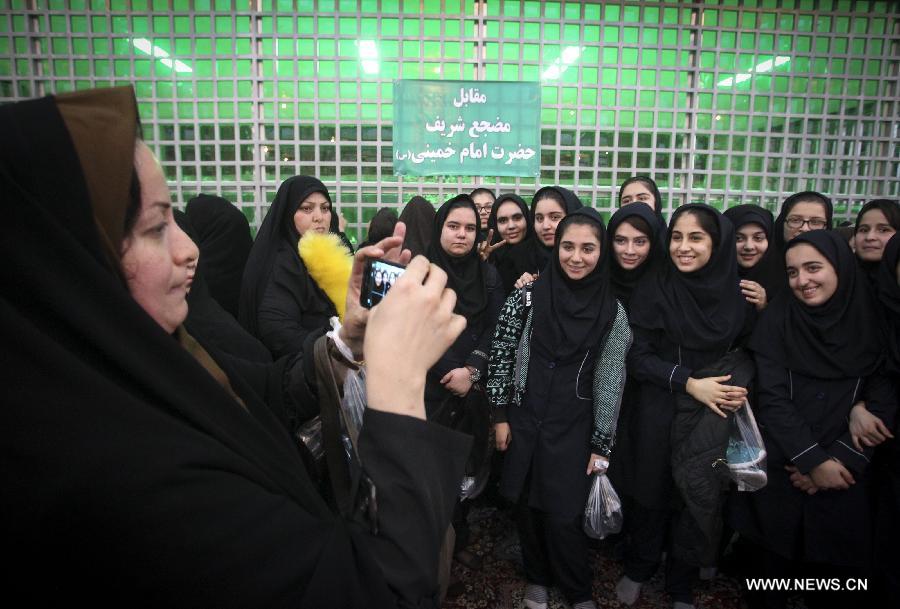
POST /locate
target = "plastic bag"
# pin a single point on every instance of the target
(746, 452)
(353, 402)
(603, 511)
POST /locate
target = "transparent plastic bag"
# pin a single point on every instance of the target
(746, 452)
(603, 510)
(310, 434)
(353, 403)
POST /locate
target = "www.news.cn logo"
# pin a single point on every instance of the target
(809, 584)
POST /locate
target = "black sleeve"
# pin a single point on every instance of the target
(496, 297)
(287, 385)
(783, 424)
(881, 400)
(416, 467)
(280, 316)
(647, 366)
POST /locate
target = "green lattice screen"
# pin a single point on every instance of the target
(722, 101)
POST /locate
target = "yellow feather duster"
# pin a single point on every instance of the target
(329, 264)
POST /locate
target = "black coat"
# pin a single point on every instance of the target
(804, 422)
(473, 346)
(662, 368)
(699, 440)
(551, 434)
(285, 323)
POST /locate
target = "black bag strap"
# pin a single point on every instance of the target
(330, 413)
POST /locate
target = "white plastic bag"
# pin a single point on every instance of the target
(603, 511)
(746, 452)
(353, 404)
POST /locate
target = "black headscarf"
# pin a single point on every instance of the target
(654, 190)
(465, 274)
(208, 321)
(838, 339)
(889, 297)
(222, 234)
(381, 227)
(572, 316)
(769, 270)
(542, 253)
(624, 281)
(418, 216)
(276, 244)
(891, 211)
(807, 195)
(513, 260)
(703, 310)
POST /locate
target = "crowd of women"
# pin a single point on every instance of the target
(162, 366)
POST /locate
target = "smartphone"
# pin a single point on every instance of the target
(378, 277)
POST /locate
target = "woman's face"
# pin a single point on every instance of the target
(579, 251)
(630, 247)
(807, 215)
(313, 214)
(379, 277)
(511, 222)
(547, 214)
(484, 201)
(751, 243)
(158, 259)
(810, 275)
(637, 192)
(872, 235)
(691, 247)
(458, 232)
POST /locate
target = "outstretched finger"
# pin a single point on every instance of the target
(881, 428)
(715, 409)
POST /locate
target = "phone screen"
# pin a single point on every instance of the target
(378, 277)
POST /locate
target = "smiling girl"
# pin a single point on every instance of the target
(548, 362)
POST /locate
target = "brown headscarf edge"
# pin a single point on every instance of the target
(103, 127)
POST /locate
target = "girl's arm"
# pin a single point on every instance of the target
(609, 383)
(783, 424)
(645, 364)
(510, 324)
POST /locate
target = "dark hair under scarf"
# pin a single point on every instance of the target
(418, 216)
(891, 211)
(380, 227)
(654, 189)
(222, 234)
(837, 339)
(701, 310)
(465, 274)
(276, 243)
(769, 270)
(571, 316)
(788, 205)
(625, 281)
(571, 202)
(889, 297)
(512, 260)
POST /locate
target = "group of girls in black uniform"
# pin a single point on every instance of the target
(595, 345)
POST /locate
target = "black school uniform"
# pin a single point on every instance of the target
(682, 322)
(554, 429)
(814, 364)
